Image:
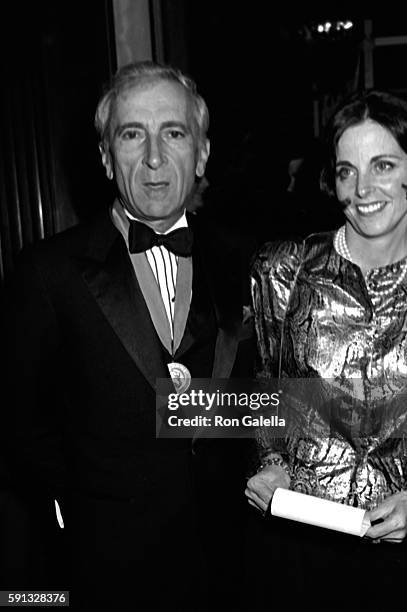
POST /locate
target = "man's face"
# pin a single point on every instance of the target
(153, 154)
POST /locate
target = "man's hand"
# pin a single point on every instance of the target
(393, 512)
(261, 486)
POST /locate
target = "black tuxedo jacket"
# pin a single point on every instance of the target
(83, 359)
(84, 355)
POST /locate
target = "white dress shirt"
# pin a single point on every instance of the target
(164, 264)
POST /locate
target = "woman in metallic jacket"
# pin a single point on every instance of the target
(333, 308)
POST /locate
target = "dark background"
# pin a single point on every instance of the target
(261, 73)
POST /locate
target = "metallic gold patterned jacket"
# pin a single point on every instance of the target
(322, 328)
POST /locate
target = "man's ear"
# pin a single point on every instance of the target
(106, 160)
(203, 154)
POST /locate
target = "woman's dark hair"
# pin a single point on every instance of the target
(384, 108)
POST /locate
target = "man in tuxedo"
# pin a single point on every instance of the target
(99, 313)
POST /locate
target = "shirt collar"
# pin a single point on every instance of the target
(121, 220)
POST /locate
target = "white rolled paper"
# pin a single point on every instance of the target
(319, 512)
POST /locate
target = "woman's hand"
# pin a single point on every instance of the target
(393, 512)
(261, 486)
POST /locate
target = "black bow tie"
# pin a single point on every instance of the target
(142, 238)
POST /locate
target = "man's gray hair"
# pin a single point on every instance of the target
(131, 75)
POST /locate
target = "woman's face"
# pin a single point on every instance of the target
(371, 180)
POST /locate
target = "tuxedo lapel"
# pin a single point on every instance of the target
(109, 275)
(221, 271)
(201, 309)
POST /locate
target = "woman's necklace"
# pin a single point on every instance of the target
(342, 248)
(341, 245)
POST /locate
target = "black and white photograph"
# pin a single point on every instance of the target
(203, 305)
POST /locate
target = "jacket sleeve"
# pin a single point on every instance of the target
(31, 418)
(273, 276)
